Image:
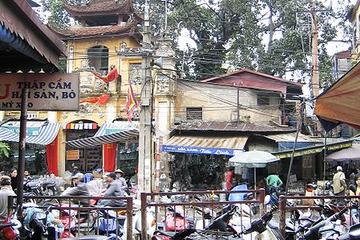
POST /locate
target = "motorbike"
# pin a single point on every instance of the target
(320, 226)
(39, 223)
(353, 233)
(110, 222)
(220, 226)
(9, 228)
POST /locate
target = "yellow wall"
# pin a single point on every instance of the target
(219, 103)
(356, 25)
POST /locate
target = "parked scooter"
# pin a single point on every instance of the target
(39, 223)
(9, 229)
(353, 233)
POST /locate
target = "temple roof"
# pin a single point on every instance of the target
(99, 7)
(130, 29)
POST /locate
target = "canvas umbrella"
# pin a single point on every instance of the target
(252, 159)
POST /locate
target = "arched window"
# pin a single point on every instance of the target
(99, 58)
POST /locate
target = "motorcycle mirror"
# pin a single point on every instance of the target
(267, 200)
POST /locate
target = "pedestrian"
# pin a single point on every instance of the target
(27, 175)
(96, 186)
(5, 192)
(14, 178)
(229, 175)
(339, 182)
(113, 190)
(352, 177)
(273, 183)
(75, 169)
(355, 189)
(120, 177)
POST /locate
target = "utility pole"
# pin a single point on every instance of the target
(238, 105)
(315, 53)
(22, 149)
(145, 133)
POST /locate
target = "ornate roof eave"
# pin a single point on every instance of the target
(100, 7)
(136, 36)
(129, 27)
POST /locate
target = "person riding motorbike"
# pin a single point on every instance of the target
(120, 177)
(79, 189)
(114, 189)
(273, 183)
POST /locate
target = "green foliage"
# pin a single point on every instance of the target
(59, 18)
(272, 36)
(4, 150)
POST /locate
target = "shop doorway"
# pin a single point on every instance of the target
(86, 159)
(127, 158)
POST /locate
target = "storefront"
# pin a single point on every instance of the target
(115, 144)
(41, 138)
(199, 162)
(86, 159)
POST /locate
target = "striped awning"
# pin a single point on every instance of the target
(108, 133)
(205, 145)
(43, 135)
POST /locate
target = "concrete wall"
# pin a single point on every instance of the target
(219, 103)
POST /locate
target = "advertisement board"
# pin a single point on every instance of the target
(46, 92)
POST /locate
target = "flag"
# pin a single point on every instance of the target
(103, 99)
(131, 103)
(112, 75)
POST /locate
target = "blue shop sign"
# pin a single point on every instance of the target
(199, 150)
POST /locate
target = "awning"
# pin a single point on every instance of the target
(349, 154)
(286, 140)
(205, 145)
(37, 132)
(108, 133)
(340, 102)
(313, 149)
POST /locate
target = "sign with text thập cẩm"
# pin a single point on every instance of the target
(46, 92)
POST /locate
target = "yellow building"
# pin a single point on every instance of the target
(354, 18)
(107, 28)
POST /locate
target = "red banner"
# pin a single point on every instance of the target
(109, 157)
(52, 157)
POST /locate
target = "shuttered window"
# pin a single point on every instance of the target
(193, 113)
(263, 99)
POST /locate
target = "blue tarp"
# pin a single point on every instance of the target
(238, 196)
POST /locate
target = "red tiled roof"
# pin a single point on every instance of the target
(244, 70)
(344, 54)
(99, 31)
(96, 7)
(230, 126)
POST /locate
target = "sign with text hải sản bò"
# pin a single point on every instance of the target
(46, 92)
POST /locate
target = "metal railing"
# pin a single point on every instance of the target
(82, 219)
(190, 203)
(345, 202)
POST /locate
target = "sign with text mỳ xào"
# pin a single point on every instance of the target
(46, 92)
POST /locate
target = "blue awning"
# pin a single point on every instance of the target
(108, 133)
(205, 145)
(41, 133)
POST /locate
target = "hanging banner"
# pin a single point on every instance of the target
(47, 92)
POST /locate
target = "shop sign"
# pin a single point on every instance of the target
(198, 150)
(72, 155)
(46, 92)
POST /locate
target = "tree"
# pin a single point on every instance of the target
(4, 150)
(272, 36)
(58, 18)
